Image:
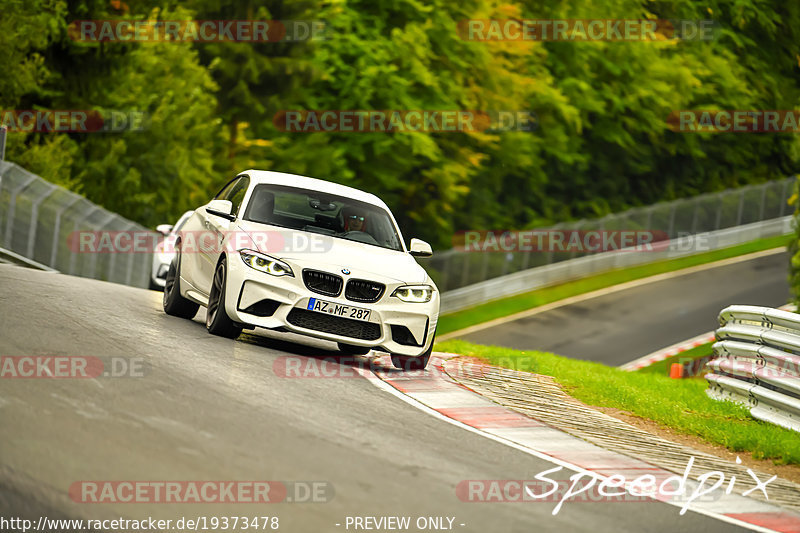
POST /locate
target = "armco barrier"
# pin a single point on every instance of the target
(758, 363)
(37, 217)
(710, 212)
(534, 278)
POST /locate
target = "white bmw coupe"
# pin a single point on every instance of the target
(292, 253)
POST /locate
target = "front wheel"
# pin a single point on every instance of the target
(407, 362)
(217, 320)
(174, 304)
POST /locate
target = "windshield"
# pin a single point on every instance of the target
(327, 214)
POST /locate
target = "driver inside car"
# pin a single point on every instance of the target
(354, 221)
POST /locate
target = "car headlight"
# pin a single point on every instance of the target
(414, 293)
(265, 263)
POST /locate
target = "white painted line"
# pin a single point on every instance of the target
(608, 290)
(732, 503)
(449, 399)
(669, 351)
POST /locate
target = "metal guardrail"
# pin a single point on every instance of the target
(705, 213)
(37, 218)
(534, 278)
(758, 363)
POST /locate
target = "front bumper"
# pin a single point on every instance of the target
(272, 302)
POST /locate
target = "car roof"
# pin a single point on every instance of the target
(314, 184)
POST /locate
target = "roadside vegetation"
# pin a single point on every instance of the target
(601, 142)
(515, 304)
(678, 404)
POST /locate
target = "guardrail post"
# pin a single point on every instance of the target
(784, 200)
(34, 219)
(526, 259)
(671, 226)
(73, 255)
(12, 206)
(129, 273)
(741, 208)
(485, 267)
(763, 201)
(56, 239)
(465, 269)
(93, 260)
(719, 211)
(3, 135)
(694, 217)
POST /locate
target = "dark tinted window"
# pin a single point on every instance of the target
(236, 194)
(226, 189)
(327, 214)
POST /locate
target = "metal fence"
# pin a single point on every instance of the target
(454, 268)
(580, 267)
(758, 363)
(38, 217)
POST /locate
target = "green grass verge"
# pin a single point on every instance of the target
(515, 304)
(662, 367)
(680, 404)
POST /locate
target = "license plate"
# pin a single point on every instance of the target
(346, 311)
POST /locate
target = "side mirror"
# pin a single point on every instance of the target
(164, 229)
(420, 248)
(220, 208)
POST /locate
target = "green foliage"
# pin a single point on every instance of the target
(794, 247)
(602, 142)
(680, 405)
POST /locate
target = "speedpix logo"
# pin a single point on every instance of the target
(586, 486)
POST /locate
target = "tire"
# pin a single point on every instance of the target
(407, 362)
(349, 349)
(217, 320)
(175, 304)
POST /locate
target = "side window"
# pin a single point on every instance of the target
(222, 194)
(236, 194)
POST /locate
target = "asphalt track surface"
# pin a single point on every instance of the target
(209, 408)
(621, 326)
